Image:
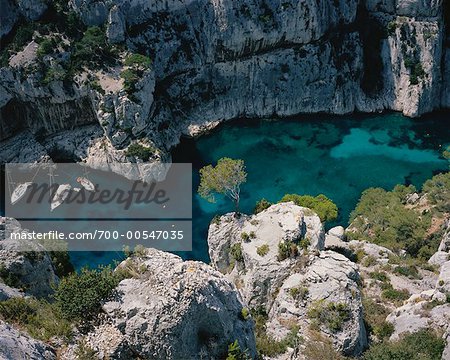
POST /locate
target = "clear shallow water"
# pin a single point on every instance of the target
(336, 156)
(339, 156)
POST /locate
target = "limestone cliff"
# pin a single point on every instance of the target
(217, 60)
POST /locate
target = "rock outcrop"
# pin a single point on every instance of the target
(172, 309)
(276, 262)
(17, 345)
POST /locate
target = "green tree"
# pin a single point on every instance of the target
(225, 178)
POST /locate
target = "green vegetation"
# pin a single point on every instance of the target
(409, 271)
(262, 250)
(39, 318)
(375, 319)
(137, 65)
(236, 252)
(394, 295)
(265, 344)
(286, 249)
(321, 205)
(416, 71)
(422, 345)
(45, 47)
(330, 314)
(391, 27)
(380, 276)
(225, 178)
(438, 191)
(299, 293)
(92, 50)
(140, 151)
(319, 347)
(245, 237)
(84, 352)
(245, 314)
(79, 295)
(235, 352)
(59, 254)
(261, 205)
(138, 60)
(22, 37)
(9, 278)
(381, 217)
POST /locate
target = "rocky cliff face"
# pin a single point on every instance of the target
(217, 60)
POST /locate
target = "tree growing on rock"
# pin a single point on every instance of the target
(224, 178)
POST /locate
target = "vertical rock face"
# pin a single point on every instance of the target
(214, 60)
(32, 270)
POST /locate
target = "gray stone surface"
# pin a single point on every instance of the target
(15, 345)
(177, 310)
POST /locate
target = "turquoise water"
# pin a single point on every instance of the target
(339, 156)
(336, 156)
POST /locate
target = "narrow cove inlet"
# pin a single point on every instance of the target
(338, 156)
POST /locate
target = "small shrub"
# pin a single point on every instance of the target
(45, 47)
(395, 295)
(142, 152)
(252, 235)
(245, 313)
(138, 60)
(409, 271)
(245, 237)
(261, 205)
(330, 314)
(40, 319)
(369, 260)
(236, 252)
(235, 352)
(380, 276)
(299, 293)
(321, 205)
(216, 220)
(262, 250)
(441, 282)
(424, 345)
(319, 347)
(286, 249)
(9, 278)
(79, 295)
(84, 352)
(391, 26)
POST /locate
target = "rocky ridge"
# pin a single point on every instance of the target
(214, 61)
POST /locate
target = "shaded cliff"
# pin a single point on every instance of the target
(218, 60)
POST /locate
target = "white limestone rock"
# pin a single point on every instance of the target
(329, 277)
(174, 309)
(259, 276)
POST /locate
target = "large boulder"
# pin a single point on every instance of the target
(247, 248)
(175, 309)
(17, 345)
